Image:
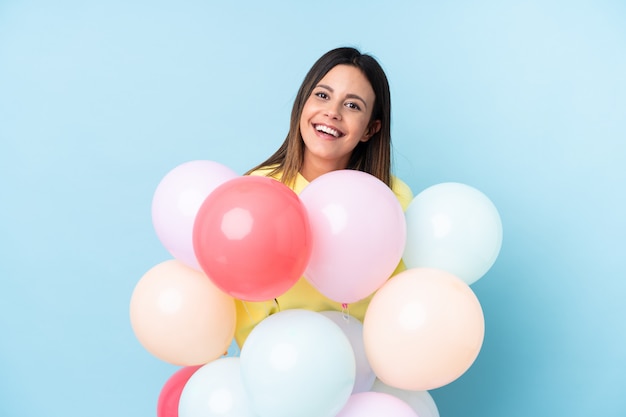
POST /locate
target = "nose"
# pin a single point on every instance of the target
(333, 111)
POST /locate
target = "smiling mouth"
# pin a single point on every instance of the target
(328, 130)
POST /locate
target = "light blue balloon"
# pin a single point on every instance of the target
(215, 390)
(298, 363)
(453, 227)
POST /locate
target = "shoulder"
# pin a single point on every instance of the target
(270, 171)
(265, 172)
(402, 191)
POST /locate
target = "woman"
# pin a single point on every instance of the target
(340, 120)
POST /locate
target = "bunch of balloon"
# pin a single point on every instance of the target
(424, 328)
(297, 362)
(231, 237)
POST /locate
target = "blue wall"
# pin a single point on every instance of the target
(525, 101)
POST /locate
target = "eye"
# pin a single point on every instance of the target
(321, 95)
(352, 105)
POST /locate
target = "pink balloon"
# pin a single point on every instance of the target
(176, 202)
(167, 405)
(252, 238)
(359, 233)
(423, 329)
(375, 404)
(420, 401)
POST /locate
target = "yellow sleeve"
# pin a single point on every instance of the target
(405, 196)
(249, 314)
(402, 191)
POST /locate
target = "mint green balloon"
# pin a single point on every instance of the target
(297, 363)
(455, 228)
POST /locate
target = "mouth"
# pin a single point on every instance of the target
(330, 131)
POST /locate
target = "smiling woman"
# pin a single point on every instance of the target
(340, 120)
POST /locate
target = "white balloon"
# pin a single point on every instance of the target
(297, 363)
(215, 389)
(453, 227)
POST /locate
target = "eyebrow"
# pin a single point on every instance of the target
(354, 96)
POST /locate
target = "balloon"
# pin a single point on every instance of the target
(297, 363)
(252, 238)
(169, 398)
(216, 390)
(180, 317)
(423, 329)
(420, 401)
(176, 201)
(353, 329)
(453, 227)
(359, 232)
(376, 404)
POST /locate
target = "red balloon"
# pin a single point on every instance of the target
(167, 406)
(252, 238)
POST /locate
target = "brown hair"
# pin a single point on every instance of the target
(372, 156)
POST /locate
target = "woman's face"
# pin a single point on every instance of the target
(335, 118)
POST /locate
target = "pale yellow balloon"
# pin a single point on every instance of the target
(180, 316)
(423, 329)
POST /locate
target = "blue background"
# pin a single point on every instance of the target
(525, 101)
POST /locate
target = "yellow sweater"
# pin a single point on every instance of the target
(302, 294)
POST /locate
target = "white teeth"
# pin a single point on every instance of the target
(328, 130)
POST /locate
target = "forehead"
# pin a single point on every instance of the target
(349, 80)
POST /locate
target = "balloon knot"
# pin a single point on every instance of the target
(345, 312)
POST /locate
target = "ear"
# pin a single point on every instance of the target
(373, 128)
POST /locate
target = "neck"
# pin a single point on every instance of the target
(312, 169)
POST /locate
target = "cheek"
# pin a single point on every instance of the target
(308, 112)
(302, 122)
(304, 115)
(361, 126)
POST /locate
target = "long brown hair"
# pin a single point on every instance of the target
(372, 156)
